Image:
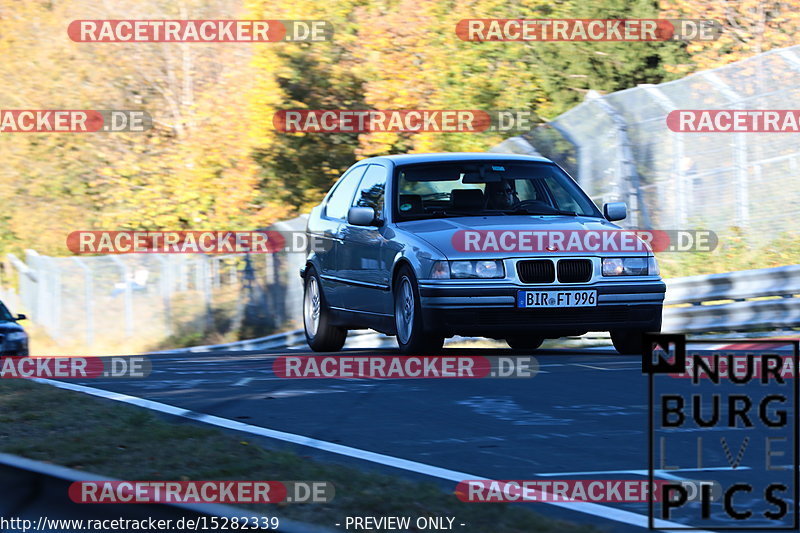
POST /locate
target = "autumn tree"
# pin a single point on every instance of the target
(749, 27)
(193, 169)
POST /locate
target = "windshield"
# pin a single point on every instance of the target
(466, 188)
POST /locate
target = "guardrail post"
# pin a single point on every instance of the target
(584, 158)
(128, 294)
(165, 288)
(215, 263)
(679, 171)
(37, 299)
(739, 153)
(206, 288)
(27, 282)
(183, 274)
(58, 297)
(198, 273)
(626, 170)
(88, 285)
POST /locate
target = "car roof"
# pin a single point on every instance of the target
(407, 159)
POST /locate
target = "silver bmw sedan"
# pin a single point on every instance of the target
(428, 246)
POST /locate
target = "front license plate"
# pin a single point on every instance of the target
(556, 298)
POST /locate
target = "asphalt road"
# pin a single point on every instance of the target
(584, 416)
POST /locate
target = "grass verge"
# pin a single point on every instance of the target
(734, 252)
(126, 442)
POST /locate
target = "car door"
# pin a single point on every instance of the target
(329, 227)
(360, 254)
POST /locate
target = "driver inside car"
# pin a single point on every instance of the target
(501, 195)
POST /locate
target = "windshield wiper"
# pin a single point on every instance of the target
(539, 213)
(436, 214)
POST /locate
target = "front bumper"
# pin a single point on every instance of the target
(489, 310)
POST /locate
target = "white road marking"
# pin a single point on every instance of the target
(643, 472)
(594, 509)
(590, 366)
(635, 364)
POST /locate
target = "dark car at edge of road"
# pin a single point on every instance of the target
(13, 339)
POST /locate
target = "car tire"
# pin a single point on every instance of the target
(321, 336)
(411, 335)
(627, 341)
(524, 343)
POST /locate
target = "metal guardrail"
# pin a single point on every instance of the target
(278, 340)
(32, 489)
(734, 301)
(362, 338)
(741, 285)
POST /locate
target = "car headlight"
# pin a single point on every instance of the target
(489, 269)
(652, 267)
(630, 266)
(440, 270)
(477, 269)
(17, 336)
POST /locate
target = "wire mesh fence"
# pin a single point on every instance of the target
(618, 147)
(139, 301)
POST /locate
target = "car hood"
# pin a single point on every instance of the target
(439, 232)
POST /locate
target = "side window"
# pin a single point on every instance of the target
(372, 189)
(339, 202)
(527, 190)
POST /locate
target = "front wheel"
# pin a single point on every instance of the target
(411, 336)
(628, 342)
(320, 334)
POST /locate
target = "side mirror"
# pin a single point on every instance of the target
(361, 216)
(21, 317)
(615, 211)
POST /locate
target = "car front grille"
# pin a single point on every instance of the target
(539, 271)
(574, 270)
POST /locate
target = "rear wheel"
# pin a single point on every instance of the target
(524, 343)
(320, 334)
(627, 341)
(411, 336)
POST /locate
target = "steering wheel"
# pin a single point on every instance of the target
(522, 204)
